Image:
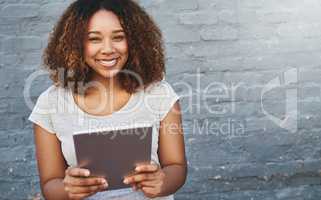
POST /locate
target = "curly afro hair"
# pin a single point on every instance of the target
(64, 58)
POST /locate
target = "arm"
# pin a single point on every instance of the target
(172, 151)
(51, 164)
(150, 178)
(56, 182)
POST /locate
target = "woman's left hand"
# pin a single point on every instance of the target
(149, 178)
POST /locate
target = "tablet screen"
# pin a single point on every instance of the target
(113, 154)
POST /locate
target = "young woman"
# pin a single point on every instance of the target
(106, 60)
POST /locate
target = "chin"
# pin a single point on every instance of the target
(109, 73)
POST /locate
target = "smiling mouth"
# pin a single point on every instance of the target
(107, 63)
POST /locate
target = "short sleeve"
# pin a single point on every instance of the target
(168, 101)
(164, 98)
(42, 112)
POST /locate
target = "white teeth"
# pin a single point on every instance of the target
(107, 63)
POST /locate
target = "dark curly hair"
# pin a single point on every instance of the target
(64, 57)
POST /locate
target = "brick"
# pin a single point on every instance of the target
(145, 3)
(26, 189)
(12, 83)
(228, 16)
(11, 138)
(36, 27)
(173, 51)
(309, 121)
(18, 153)
(309, 108)
(18, 105)
(310, 76)
(52, 9)
(11, 122)
(310, 93)
(1, 48)
(250, 16)
(219, 33)
(269, 62)
(255, 31)
(274, 46)
(9, 26)
(164, 20)
(198, 18)
(297, 30)
(19, 44)
(212, 49)
(9, 60)
(33, 1)
(217, 5)
(299, 192)
(178, 5)
(4, 106)
(20, 10)
(30, 60)
(181, 34)
(207, 5)
(19, 169)
(179, 65)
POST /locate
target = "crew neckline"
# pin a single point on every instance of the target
(124, 107)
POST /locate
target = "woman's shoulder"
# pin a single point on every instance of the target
(50, 90)
(160, 88)
(52, 93)
(160, 97)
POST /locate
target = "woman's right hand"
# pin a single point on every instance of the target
(78, 183)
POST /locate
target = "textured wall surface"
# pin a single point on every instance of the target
(249, 76)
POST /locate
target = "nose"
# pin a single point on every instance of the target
(107, 47)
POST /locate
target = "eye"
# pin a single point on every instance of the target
(119, 38)
(94, 39)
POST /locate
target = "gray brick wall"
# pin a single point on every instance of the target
(221, 57)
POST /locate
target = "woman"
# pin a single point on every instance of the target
(107, 64)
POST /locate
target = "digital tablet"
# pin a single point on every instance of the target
(113, 154)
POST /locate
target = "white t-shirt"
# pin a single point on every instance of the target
(57, 112)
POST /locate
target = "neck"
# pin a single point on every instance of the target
(101, 84)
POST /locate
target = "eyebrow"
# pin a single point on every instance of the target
(97, 32)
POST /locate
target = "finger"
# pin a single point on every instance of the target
(148, 191)
(87, 189)
(147, 184)
(147, 168)
(139, 178)
(77, 172)
(80, 181)
(80, 196)
(135, 187)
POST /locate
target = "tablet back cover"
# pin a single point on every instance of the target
(113, 154)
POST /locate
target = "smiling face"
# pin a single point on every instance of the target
(105, 46)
